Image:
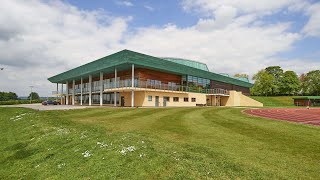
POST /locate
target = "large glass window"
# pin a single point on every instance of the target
(195, 82)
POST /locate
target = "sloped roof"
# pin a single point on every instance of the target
(126, 57)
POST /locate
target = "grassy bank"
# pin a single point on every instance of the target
(181, 143)
(273, 101)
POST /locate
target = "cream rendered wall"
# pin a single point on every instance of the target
(238, 99)
(247, 101)
(141, 98)
(200, 99)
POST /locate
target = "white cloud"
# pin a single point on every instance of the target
(149, 8)
(38, 40)
(312, 28)
(124, 3)
(235, 48)
(243, 6)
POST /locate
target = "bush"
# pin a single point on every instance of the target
(12, 102)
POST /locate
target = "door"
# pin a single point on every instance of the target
(218, 101)
(157, 101)
(122, 101)
(164, 101)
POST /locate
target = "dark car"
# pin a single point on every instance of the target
(49, 102)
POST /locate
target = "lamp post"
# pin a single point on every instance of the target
(31, 94)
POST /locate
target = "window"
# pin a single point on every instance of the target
(175, 99)
(149, 98)
(166, 98)
(186, 99)
(193, 99)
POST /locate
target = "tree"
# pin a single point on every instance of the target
(238, 75)
(6, 96)
(311, 83)
(34, 95)
(263, 85)
(290, 83)
(277, 73)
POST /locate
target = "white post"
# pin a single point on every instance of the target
(90, 89)
(57, 92)
(132, 85)
(101, 88)
(73, 91)
(115, 86)
(81, 87)
(61, 93)
(67, 94)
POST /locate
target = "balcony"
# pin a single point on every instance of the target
(58, 92)
(147, 85)
(167, 87)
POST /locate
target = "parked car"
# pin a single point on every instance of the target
(49, 102)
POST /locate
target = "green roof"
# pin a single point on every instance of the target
(187, 62)
(307, 97)
(123, 60)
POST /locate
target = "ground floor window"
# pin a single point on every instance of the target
(149, 98)
(85, 99)
(186, 99)
(107, 98)
(175, 99)
(193, 99)
(166, 98)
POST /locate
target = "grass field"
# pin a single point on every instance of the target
(275, 101)
(179, 143)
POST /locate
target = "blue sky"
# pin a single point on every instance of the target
(39, 39)
(170, 11)
(161, 12)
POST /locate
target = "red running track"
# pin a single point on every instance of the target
(300, 115)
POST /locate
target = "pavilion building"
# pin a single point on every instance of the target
(132, 79)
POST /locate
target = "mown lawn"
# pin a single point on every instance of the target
(179, 143)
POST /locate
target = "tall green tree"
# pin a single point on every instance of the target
(264, 83)
(277, 73)
(6, 96)
(311, 83)
(290, 83)
(34, 95)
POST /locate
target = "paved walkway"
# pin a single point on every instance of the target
(299, 115)
(41, 107)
